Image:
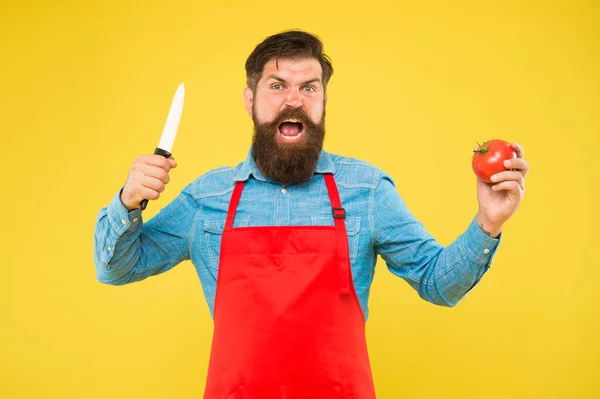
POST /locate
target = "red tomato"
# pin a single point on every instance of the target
(489, 157)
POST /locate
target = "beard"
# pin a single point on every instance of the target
(288, 163)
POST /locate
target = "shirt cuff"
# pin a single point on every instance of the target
(120, 218)
(478, 246)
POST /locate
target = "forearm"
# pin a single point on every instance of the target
(459, 267)
(117, 243)
(441, 275)
(127, 250)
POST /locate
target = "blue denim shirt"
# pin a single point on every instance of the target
(377, 221)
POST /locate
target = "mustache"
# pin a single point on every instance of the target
(288, 113)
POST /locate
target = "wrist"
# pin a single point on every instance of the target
(124, 203)
(490, 229)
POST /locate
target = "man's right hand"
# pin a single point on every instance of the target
(147, 178)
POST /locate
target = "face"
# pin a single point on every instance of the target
(288, 110)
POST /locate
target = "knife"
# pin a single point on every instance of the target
(170, 130)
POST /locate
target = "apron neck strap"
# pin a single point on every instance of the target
(235, 199)
(334, 197)
(339, 214)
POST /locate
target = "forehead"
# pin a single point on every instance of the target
(293, 69)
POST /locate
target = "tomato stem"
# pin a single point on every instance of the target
(482, 149)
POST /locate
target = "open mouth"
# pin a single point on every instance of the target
(291, 130)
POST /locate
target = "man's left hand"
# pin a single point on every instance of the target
(499, 200)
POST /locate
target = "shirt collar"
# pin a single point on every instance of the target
(324, 165)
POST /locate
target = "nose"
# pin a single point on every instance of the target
(293, 99)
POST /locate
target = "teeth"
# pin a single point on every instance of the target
(292, 120)
(291, 137)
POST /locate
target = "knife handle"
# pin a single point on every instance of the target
(157, 151)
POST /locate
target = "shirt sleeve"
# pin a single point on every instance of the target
(127, 250)
(441, 275)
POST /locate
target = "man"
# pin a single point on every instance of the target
(293, 233)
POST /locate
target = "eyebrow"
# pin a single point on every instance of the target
(282, 80)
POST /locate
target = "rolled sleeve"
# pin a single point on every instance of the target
(478, 246)
(120, 218)
(122, 225)
(478, 250)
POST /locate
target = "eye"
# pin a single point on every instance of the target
(309, 89)
(276, 87)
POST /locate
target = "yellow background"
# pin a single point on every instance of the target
(85, 88)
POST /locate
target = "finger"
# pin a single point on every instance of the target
(158, 160)
(509, 176)
(519, 149)
(156, 172)
(517, 164)
(152, 183)
(510, 186)
(172, 161)
(147, 193)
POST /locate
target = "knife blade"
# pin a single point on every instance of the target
(165, 145)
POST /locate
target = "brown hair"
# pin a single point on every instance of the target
(293, 44)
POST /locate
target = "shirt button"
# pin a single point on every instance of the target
(123, 221)
(134, 220)
(486, 251)
(283, 191)
(109, 249)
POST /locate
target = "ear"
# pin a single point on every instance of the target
(248, 100)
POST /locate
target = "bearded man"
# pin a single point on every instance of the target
(285, 243)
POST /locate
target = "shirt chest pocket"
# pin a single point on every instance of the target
(213, 232)
(352, 230)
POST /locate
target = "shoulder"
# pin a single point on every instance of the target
(215, 182)
(356, 173)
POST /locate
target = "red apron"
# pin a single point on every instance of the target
(288, 324)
